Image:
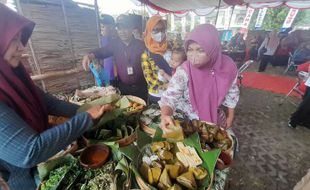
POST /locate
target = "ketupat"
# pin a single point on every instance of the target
(187, 180)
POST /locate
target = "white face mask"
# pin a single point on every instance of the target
(158, 37)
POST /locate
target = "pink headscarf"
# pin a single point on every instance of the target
(17, 90)
(208, 86)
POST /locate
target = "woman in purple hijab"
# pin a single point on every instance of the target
(26, 139)
(204, 87)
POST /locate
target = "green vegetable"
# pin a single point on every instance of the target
(55, 178)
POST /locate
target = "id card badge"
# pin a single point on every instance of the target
(129, 70)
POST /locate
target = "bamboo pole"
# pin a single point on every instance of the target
(97, 22)
(54, 74)
(36, 63)
(69, 38)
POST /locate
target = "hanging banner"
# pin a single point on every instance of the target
(290, 18)
(247, 18)
(260, 17)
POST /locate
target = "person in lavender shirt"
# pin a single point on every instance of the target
(126, 51)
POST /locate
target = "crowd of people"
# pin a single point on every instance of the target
(277, 48)
(197, 79)
(194, 77)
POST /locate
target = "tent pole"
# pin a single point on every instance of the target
(70, 39)
(218, 11)
(232, 12)
(34, 57)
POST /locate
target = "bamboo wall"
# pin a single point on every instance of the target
(62, 35)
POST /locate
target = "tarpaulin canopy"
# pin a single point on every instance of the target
(203, 7)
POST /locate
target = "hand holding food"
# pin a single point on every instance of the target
(87, 60)
(97, 111)
(166, 120)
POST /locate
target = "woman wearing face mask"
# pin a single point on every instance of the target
(153, 58)
(204, 87)
(25, 137)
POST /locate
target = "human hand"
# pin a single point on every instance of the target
(229, 122)
(97, 111)
(87, 60)
(165, 121)
(161, 72)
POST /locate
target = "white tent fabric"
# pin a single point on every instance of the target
(203, 7)
(299, 5)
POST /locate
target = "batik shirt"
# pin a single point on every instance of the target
(177, 95)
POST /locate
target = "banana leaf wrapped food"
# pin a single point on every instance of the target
(167, 165)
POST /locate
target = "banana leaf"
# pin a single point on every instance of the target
(100, 101)
(130, 152)
(62, 176)
(109, 116)
(45, 168)
(117, 155)
(104, 134)
(123, 103)
(143, 139)
(124, 131)
(123, 178)
(158, 135)
(209, 158)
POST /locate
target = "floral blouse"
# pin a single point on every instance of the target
(177, 95)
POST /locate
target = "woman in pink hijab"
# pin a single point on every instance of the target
(204, 87)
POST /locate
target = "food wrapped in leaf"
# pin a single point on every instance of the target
(220, 135)
(164, 181)
(173, 170)
(213, 129)
(156, 172)
(199, 172)
(224, 144)
(165, 155)
(175, 187)
(157, 146)
(146, 171)
(174, 132)
(188, 155)
(155, 164)
(187, 180)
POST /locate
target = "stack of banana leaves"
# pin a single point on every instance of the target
(120, 123)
